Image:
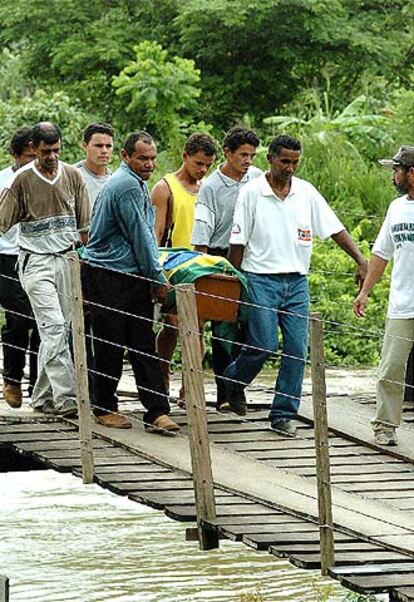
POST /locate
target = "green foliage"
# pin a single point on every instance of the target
(354, 597)
(79, 45)
(42, 105)
(262, 53)
(348, 340)
(161, 93)
(354, 125)
(12, 80)
(401, 109)
(337, 73)
(322, 589)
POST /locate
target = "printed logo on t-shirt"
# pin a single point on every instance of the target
(402, 232)
(236, 229)
(304, 234)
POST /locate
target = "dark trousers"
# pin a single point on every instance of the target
(19, 332)
(222, 354)
(113, 331)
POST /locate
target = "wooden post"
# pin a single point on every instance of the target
(196, 412)
(81, 370)
(321, 444)
(4, 589)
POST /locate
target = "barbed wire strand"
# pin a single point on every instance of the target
(202, 293)
(148, 425)
(108, 308)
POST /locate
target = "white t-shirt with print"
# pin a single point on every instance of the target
(396, 241)
(277, 234)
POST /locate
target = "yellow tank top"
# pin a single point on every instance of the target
(183, 207)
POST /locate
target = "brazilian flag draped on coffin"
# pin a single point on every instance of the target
(215, 276)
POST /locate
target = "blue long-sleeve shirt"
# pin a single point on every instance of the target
(121, 233)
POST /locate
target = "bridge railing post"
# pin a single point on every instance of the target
(321, 444)
(4, 589)
(81, 370)
(196, 413)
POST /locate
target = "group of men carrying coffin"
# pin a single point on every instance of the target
(263, 222)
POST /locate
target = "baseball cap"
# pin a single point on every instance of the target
(404, 156)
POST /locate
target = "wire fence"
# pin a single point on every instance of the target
(96, 407)
(346, 327)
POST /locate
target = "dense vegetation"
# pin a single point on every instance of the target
(337, 73)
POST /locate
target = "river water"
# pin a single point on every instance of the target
(63, 541)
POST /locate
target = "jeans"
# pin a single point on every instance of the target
(289, 295)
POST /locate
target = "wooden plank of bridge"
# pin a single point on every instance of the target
(372, 569)
(266, 532)
(403, 594)
(273, 486)
(290, 536)
(352, 545)
(376, 584)
(161, 500)
(356, 425)
(273, 528)
(312, 561)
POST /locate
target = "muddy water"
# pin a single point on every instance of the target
(63, 541)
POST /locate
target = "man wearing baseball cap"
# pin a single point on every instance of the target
(395, 241)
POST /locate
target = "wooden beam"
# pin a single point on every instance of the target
(4, 589)
(81, 370)
(321, 444)
(196, 412)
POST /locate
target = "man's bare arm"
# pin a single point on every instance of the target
(235, 255)
(376, 269)
(201, 248)
(346, 243)
(161, 197)
(84, 236)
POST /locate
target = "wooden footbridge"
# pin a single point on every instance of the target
(242, 481)
(264, 484)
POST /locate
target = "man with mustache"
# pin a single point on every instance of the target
(123, 279)
(276, 217)
(395, 241)
(50, 201)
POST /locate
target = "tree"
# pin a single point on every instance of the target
(258, 54)
(78, 46)
(42, 106)
(162, 92)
